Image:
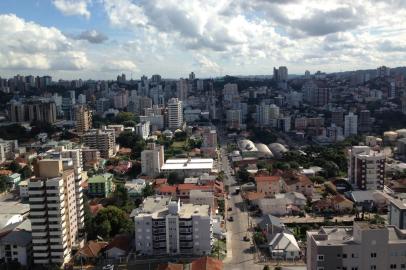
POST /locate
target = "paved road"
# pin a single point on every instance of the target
(239, 252)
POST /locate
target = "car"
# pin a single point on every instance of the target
(246, 238)
(230, 209)
(230, 219)
(108, 267)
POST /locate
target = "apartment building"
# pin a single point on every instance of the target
(175, 114)
(168, 227)
(102, 140)
(83, 118)
(7, 148)
(152, 159)
(361, 247)
(142, 129)
(397, 213)
(100, 185)
(42, 110)
(366, 168)
(90, 158)
(53, 213)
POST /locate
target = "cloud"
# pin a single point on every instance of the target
(119, 66)
(92, 36)
(27, 45)
(73, 7)
(206, 65)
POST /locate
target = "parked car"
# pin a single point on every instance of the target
(230, 209)
(230, 219)
(246, 238)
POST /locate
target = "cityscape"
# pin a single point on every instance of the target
(163, 153)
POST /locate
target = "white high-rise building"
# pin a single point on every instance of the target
(350, 124)
(175, 113)
(152, 159)
(165, 227)
(142, 129)
(53, 213)
(366, 168)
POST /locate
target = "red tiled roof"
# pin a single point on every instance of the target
(194, 187)
(95, 208)
(166, 189)
(91, 249)
(273, 178)
(207, 263)
(120, 241)
(252, 195)
(161, 181)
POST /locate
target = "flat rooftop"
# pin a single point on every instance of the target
(188, 164)
(14, 208)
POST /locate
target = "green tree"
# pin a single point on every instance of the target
(120, 199)
(174, 178)
(14, 166)
(243, 175)
(26, 172)
(147, 191)
(111, 221)
(124, 117)
(4, 184)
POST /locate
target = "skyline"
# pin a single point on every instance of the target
(99, 39)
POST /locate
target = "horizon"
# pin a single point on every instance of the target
(98, 39)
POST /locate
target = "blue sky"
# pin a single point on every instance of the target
(102, 38)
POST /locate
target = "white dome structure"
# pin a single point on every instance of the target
(246, 146)
(277, 149)
(264, 150)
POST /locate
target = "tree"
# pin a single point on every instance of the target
(25, 172)
(14, 166)
(111, 221)
(125, 117)
(4, 184)
(174, 178)
(266, 267)
(243, 175)
(147, 191)
(120, 199)
(131, 140)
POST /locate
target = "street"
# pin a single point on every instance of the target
(240, 253)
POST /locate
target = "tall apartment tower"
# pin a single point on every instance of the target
(53, 214)
(83, 118)
(152, 159)
(102, 140)
(350, 124)
(182, 89)
(365, 121)
(366, 168)
(175, 113)
(337, 117)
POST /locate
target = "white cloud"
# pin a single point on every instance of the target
(73, 7)
(119, 66)
(27, 45)
(206, 65)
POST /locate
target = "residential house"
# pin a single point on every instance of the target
(369, 199)
(284, 246)
(269, 185)
(135, 187)
(118, 247)
(336, 203)
(297, 182)
(89, 253)
(204, 263)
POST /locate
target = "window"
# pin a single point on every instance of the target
(344, 256)
(373, 267)
(393, 266)
(320, 258)
(354, 268)
(373, 255)
(338, 255)
(320, 268)
(403, 266)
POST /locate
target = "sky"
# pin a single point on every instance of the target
(100, 39)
